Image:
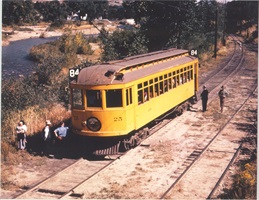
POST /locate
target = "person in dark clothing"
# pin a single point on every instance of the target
(204, 98)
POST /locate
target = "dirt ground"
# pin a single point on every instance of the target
(19, 172)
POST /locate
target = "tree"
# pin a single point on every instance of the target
(165, 23)
(122, 44)
(241, 15)
(180, 24)
(93, 9)
(19, 12)
(52, 10)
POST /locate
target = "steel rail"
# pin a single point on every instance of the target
(221, 69)
(208, 145)
(201, 152)
(35, 186)
(234, 156)
(71, 191)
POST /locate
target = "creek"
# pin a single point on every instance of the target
(15, 57)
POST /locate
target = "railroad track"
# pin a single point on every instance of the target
(221, 76)
(196, 155)
(206, 148)
(64, 183)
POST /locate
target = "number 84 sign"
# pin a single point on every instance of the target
(73, 73)
(194, 52)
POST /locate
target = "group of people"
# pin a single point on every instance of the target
(47, 136)
(204, 98)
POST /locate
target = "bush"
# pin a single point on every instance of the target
(244, 185)
(58, 23)
(17, 94)
(45, 51)
(74, 44)
(65, 50)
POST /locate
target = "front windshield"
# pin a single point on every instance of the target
(94, 98)
(113, 98)
(77, 100)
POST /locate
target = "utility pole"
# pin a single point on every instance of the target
(224, 25)
(216, 33)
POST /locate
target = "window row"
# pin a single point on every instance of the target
(159, 85)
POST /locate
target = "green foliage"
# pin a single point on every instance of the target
(165, 23)
(40, 89)
(52, 11)
(240, 14)
(16, 94)
(48, 72)
(181, 24)
(19, 12)
(189, 24)
(121, 44)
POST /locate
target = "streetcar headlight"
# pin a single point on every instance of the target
(93, 124)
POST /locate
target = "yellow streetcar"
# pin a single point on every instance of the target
(117, 99)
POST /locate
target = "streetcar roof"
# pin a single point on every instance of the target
(99, 74)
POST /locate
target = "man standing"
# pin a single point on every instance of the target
(61, 132)
(204, 98)
(222, 95)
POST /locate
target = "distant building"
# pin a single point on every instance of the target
(73, 17)
(84, 18)
(130, 21)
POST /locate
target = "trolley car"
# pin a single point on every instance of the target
(116, 100)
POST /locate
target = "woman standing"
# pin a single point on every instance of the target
(21, 130)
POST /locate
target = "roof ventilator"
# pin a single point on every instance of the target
(119, 76)
(109, 73)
